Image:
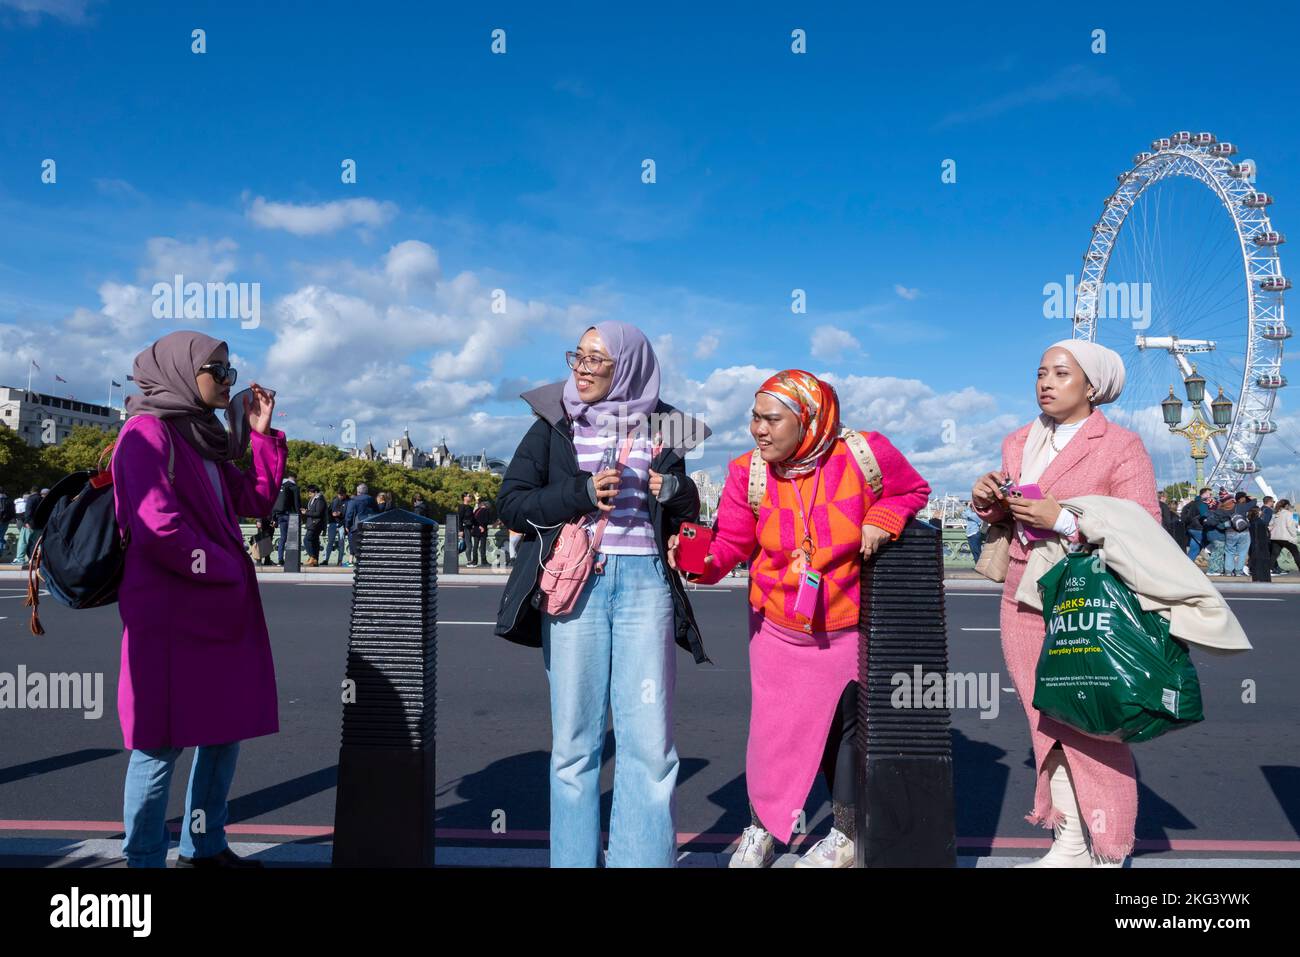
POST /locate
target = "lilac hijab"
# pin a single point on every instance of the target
(635, 389)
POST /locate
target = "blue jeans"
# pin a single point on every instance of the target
(976, 542)
(1214, 548)
(1194, 543)
(333, 540)
(614, 652)
(1237, 546)
(148, 784)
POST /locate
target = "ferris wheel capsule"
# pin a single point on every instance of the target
(1223, 149)
(1142, 157)
(1243, 465)
(1182, 137)
(1161, 144)
(1239, 170)
(1257, 200)
(1268, 237)
(1275, 331)
(1275, 284)
(1271, 380)
(1261, 426)
(1204, 139)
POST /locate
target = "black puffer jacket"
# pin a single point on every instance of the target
(545, 486)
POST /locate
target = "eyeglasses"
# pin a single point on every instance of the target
(588, 363)
(223, 372)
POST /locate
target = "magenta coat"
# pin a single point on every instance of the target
(196, 657)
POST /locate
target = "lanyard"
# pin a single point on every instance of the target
(807, 546)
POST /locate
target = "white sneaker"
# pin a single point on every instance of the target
(833, 850)
(756, 849)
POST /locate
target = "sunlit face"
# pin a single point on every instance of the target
(595, 373)
(215, 395)
(774, 427)
(1062, 388)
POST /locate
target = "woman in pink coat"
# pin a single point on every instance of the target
(1071, 449)
(196, 657)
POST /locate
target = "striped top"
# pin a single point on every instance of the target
(628, 531)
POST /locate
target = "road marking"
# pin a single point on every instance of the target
(975, 594)
(981, 629)
(467, 622)
(1234, 598)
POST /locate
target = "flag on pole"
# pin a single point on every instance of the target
(59, 378)
(38, 368)
(116, 383)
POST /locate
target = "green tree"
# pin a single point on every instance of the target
(20, 465)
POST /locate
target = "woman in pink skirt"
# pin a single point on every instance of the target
(802, 501)
(1071, 449)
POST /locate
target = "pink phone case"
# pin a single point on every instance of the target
(805, 600)
(1033, 491)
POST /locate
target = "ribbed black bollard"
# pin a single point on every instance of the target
(450, 540)
(905, 810)
(292, 544)
(383, 814)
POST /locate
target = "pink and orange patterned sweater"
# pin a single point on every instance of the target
(844, 504)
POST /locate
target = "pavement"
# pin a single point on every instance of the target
(1225, 792)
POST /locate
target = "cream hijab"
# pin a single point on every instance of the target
(1105, 371)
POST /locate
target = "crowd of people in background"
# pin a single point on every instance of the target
(1225, 534)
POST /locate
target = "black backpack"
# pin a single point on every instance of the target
(80, 551)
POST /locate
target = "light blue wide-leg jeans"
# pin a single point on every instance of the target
(615, 652)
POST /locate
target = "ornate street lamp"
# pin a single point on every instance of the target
(1197, 432)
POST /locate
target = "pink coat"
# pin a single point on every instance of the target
(196, 656)
(1102, 459)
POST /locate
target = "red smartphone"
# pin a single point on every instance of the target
(693, 543)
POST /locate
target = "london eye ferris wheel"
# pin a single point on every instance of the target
(1183, 275)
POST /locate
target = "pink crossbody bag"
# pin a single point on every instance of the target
(573, 556)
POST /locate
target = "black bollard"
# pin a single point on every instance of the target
(905, 809)
(450, 538)
(383, 814)
(292, 542)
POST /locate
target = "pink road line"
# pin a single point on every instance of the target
(684, 838)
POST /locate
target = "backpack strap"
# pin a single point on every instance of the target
(857, 444)
(866, 459)
(757, 481)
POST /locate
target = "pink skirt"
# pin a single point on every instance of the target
(795, 681)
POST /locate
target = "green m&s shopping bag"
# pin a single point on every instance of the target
(1107, 667)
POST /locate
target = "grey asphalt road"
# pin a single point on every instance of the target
(1232, 782)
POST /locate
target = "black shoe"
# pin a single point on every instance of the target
(227, 858)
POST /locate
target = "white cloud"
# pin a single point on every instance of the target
(69, 11)
(706, 346)
(320, 218)
(199, 261)
(905, 293)
(831, 344)
(411, 263)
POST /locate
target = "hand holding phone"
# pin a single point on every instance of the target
(693, 545)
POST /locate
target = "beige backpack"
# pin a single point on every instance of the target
(866, 460)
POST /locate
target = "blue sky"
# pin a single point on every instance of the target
(522, 172)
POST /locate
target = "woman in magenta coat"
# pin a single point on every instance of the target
(196, 657)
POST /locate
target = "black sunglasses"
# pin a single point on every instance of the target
(223, 372)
